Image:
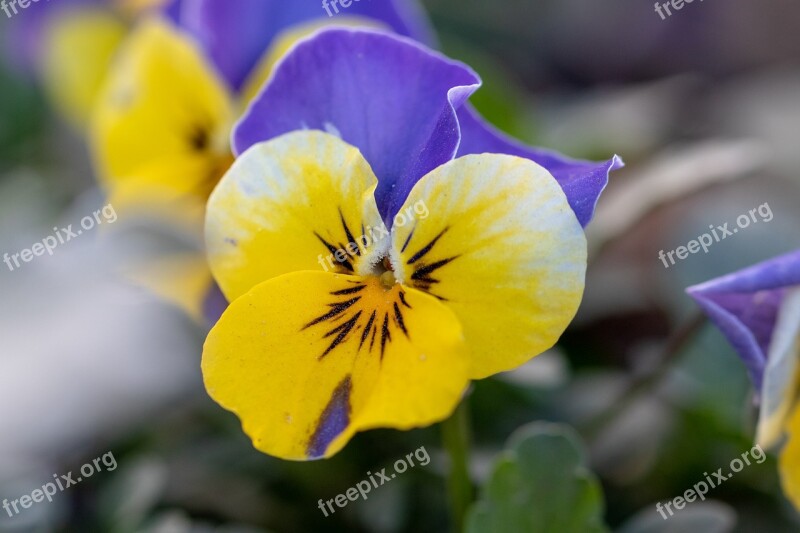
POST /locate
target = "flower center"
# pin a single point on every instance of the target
(365, 313)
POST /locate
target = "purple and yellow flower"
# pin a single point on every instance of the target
(160, 132)
(355, 133)
(758, 310)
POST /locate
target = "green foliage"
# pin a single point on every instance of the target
(540, 484)
(21, 119)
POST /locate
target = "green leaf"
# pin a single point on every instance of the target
(540, 484)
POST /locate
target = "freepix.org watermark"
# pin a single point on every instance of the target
(718, 233)
(701, 488)
(10, 6)
(373, 235)
(59, 484)
(676, 5)
(59, 237)
(364, 487)
(328, 4)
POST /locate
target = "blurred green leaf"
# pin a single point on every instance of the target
(22, 114)
(540, 484)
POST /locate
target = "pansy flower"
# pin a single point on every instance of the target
(160, 133)
(374, 263)
(758, 310)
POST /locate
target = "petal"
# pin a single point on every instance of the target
(162, 103)
(388, 96)
(134, 8)
(284, 41)
(235, 33)
(287, 205)
(172, 10)
(744, 306)
(169, 190)
(182, 280)
(494, 238)
(308, 359)
(782, 372)
(77, 53)
(582, 181)
(789, 461)
(214, 304)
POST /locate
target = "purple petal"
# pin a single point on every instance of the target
(744, 306)
(582, 181)
(172, 10)
(235, 33)
(386, 95)
(214, 304)
(333, 421)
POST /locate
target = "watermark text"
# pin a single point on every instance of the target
(701, 488)
(59, 484)
(364, 487)
(59, 237)
(718, 233)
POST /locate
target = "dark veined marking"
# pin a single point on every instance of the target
(367, 328)
(351, 290)
(333, 420)
(408, 240)
(427, 248)
(332, 249)
(423, 272)
(349, 234)
(344, 330)
(372, 341)
(344, 321)
(337, 309)
(421, 277)
(403, 299)
(398, 318)
(346, 262)
(386, 335)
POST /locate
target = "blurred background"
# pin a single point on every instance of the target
(704, 106)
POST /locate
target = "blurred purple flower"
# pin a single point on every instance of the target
(745, 307)
(235, 33)
(404, 106)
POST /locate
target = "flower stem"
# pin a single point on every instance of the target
(455, 439)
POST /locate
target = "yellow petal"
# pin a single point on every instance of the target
(132, 8)
(782, 374)
(789, 461)
(182, 280)
(494, 237)
(78, 50)
(154, 192)
(309, 358)
(163, 103)
(285, 40)
(288, 205)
